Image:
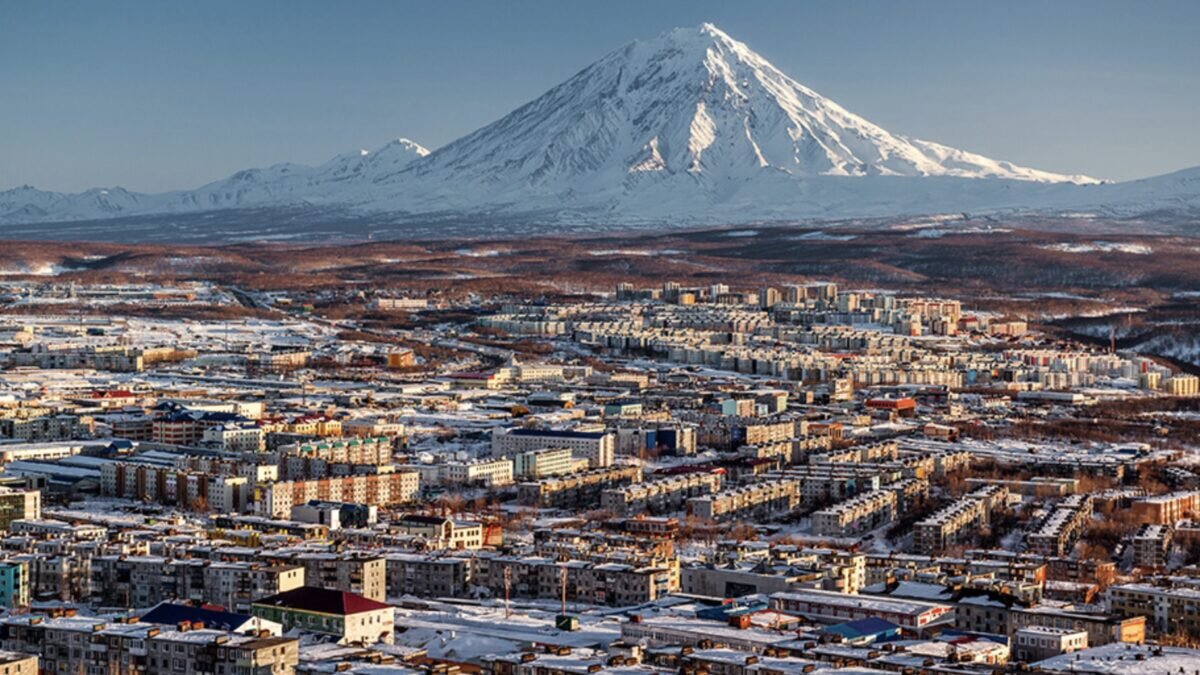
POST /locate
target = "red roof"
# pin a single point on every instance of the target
(322, 600)
(891, 403)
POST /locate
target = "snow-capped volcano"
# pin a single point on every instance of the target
(692, 101)
(689, 127)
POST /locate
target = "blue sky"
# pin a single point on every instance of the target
(165, 95)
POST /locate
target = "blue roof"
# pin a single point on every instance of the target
(171, 614)
(869, 626)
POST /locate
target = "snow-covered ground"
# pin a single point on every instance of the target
(1101, 247)
(1121, 658)
(467, 633)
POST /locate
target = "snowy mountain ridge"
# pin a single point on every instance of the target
(689, 127)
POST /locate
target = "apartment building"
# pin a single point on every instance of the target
(384, 489)
(597, 447)
(665, 495)
(212, 652)
(226, 466)
(909, 492)
(313, 468)
(354, 572)
(543, 463)
(1166, 509)
(428, 576)
(1046, 487)
(169, 485)
(1152, 546)
(234, 437)
(1097, 572)
(831, 483)
(856, 515)
(389, 304)
(187, 427)
(579, 491)
(1166, 609)
(1057, 533)
(360, 450)
(959, 522)
(281, 358)
(79, 644)
(57, 577)
(731, 432)
(18, 504)
(482, 472)
(441, 533)
(859, 454)
(758, 501)
(14, 583)
(601, 583)
(372, 427)
(145, 581)
(984, 610)
(115, 358)
(672, 440)
(1118, 625)
(235, 585)
(24, 425)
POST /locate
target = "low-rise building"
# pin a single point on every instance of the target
(1037, 643)
(441, 533)
(1118, 625)
(351, 619)
(833, 607)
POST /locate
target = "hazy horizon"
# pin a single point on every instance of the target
(156, 97)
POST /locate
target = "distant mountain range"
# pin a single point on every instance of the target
(689, 128)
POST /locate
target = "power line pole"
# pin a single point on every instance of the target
(562, 575)
(507, 591)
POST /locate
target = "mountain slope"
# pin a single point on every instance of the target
(278, 185)
(692, 108)
(690, 127)
(697, 101)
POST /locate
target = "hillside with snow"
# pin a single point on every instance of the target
(691, 127)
